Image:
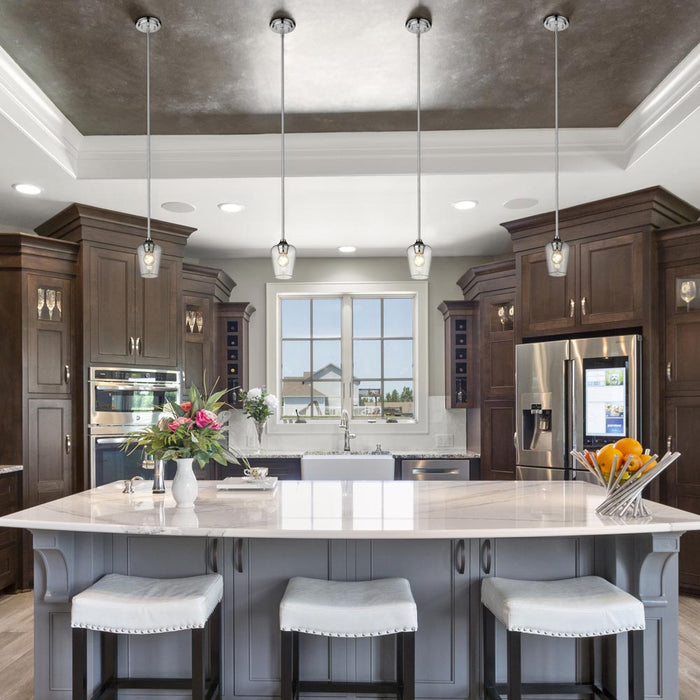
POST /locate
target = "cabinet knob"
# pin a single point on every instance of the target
(138, 345)
(583, 306)
(66, 373)
(461, 557)
(132, 345)
(668, 371)
(486, 556)
(572, 308)
(238, 555)
(69, 444)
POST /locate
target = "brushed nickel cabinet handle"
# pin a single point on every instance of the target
(583, 306)
(69, 444)
(461, 557)
(486, 556)
(66, 373)
(669, 440)
(572, 308)
(132, 345)
(138, 345)
(668, 371)
(238, 555)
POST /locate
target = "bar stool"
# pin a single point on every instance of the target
(588, 606)
(348, 609)
(118, 604)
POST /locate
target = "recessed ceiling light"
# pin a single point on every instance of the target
(465, 204)
(178, 207)
(26, 188)
(520, 203)
(347, 249)
(231, 207)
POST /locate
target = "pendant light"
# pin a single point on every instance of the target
(419, 254)
(283, 255)
(556, 252)
(149, 251)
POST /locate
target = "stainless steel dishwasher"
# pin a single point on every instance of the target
(437, 469)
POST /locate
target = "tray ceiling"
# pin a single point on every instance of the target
(350, 65)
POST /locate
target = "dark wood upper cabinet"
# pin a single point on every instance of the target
(232, 321)
(611, 276)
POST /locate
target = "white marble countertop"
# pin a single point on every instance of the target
(9, 468)
(353, 510)
(403, 454)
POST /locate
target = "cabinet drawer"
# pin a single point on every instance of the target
(8, 494)
(8, 566)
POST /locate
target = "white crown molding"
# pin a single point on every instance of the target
(24, 104)
(342, 154)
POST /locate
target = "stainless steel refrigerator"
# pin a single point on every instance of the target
(574, 394)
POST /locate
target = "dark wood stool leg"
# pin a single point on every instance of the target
(108, 662)
(514, 666)
(408, 675)
(199, 665)
(287, 666)
(295, 664)
(214, 625)
(79, 663)
(635, 664)
(399, 664)
(489, 632)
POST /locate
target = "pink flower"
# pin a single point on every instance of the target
(186, 406)
(175, 424)
(206, 419)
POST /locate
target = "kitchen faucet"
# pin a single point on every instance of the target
(345, 425)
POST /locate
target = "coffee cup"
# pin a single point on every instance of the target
(256, 472)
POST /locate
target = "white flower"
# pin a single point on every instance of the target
(271, 402)
(254, 393)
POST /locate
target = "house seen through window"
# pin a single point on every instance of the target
(347, 352)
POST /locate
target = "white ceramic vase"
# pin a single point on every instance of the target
(184, 484)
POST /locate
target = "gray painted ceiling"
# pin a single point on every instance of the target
(350, 64)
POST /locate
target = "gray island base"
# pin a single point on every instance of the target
(444, 537)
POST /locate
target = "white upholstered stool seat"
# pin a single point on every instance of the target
(135, 605)
(588, 606)
(348, 609)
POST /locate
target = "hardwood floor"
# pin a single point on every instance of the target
(17, 645)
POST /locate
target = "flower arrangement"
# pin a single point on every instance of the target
(258, 404)
(191, 429)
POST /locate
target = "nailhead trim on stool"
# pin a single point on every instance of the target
(118, 604)
(348, 609)
(588, 606)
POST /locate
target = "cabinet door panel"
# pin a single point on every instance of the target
(682, 480)
(682, 335)
(48, 337)
(258, 589)
(157, 320)
(611, 280)
(546, 301)
(199, 346)
(112, 283)
(497, 449)
(48, 473)
(442, 598)
(501, 376)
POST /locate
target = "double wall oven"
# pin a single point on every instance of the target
(123, 400)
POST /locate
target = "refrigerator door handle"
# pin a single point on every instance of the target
(572, 394)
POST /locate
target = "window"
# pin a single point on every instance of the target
(354, 347)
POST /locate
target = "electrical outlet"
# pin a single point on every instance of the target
(443, 441)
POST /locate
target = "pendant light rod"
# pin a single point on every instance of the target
(418, 26)
(282, 26)
(556, 24)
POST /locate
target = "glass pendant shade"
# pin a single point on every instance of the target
(419, 259)
(557, 256)
(283, 257)
(149, 258)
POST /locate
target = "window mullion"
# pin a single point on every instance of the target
(346, 352)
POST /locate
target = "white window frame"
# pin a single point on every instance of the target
(276, 292)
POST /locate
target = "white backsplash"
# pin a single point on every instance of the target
(447, 431)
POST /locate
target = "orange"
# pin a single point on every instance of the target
(629, 446)
(647, 462)
(606, 457)
(635, 462)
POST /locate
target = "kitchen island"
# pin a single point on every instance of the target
(443, 536)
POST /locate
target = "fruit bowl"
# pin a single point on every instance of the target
(624, 470)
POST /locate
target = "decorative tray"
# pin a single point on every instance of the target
(244, 483)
